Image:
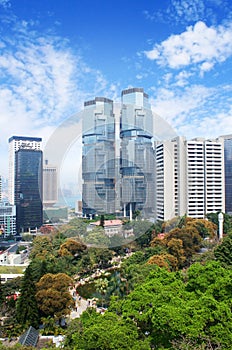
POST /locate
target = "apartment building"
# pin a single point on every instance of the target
(189, 177)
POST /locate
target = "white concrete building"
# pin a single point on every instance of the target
(189, 177)
(170, 158)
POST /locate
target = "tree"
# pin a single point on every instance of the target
(38, 268)
(94, 331)
(167, 307)
(50, 326)
(223, 252)
(210, 278)
(75, 228)
(41, 248)
(175, 248)
(102, 221)
(97, 238)
(53, 296)
(27, 313)
(101, 285)
(143, 232)
(204, 227)
(2, 299)
(71, 247)
(167, 261)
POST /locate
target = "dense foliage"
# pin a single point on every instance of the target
(163, 293)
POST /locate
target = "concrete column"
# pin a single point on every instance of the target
(220, 221)
(124, 210)
(130, 211)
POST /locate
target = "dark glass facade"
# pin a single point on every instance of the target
(28, 189)
(228, 174)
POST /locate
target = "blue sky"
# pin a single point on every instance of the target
(55, 54)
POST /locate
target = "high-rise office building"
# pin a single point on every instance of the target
(137, 154)
(98, 157)
(28, 189)
(118, 165)
(190, 177)
(228, 172)
(16, 143)
(50, 184)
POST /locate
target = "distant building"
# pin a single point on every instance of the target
(78, 207)
(228, 172)
(55, 214)
(16, 143)
(0, 188)
(50, 184)
(28, 189)
(111, 227)
(7, 220)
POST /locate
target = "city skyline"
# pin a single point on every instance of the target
(55, 56)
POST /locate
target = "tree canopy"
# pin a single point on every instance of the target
(53, 296)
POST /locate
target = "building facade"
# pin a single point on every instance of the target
(98, 157)
(28, 189)
(118, 163)
(170, 161)
(0, 188)
(16, 143)
(50, 184)
(7, 220)
(228, 172)
(190, 177)
(136, 153)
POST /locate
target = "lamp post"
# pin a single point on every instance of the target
(220, 221)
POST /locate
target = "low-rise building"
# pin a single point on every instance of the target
(111, 227)
(7, 219)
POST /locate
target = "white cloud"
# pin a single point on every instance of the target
(198, 45)
(190, 11)
(187, 10)
(209, 126)
(5, 3)
(182, 78)
(174, 105)
(43, 82)
(196, 110)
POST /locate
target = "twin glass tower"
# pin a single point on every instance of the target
(118, 156)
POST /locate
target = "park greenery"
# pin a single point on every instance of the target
(169, 288)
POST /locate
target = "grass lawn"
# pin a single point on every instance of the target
(11, 269)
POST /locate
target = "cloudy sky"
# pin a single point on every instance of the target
(55, 54)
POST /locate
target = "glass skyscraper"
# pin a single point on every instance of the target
(16, 143)
(98, 157)
(28, 189)
(118, 164)
(137, 154)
